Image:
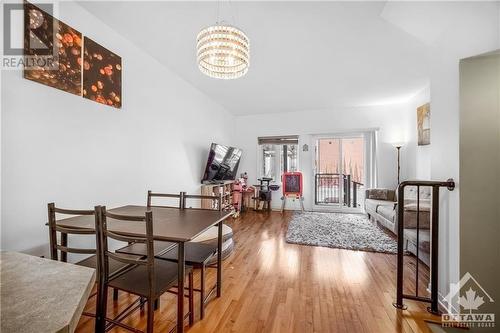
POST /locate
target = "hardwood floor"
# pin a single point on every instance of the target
(272, 286)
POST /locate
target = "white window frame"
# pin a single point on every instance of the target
(277, 158)
(370, 167)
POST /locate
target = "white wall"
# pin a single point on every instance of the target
(475, 30)
(63, 148)
(391, 122)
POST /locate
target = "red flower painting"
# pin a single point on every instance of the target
(53, 49)
(102, 74)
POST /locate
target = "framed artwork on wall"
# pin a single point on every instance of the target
(59, 56)
(424, 124)
(102, 74)
(53, 51)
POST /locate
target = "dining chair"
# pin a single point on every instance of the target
(59, 251)
(198, 255)
(160, 247)
(146, 277)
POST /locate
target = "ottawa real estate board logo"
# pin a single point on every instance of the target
(471, 300)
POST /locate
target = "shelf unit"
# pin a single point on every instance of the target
(225, 189)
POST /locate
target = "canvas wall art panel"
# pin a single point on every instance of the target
(52, 51)
(424, 124)
(102, 74)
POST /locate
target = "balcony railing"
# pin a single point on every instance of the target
(327, 190)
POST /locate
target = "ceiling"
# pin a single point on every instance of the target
(304, 55)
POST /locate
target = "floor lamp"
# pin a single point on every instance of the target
(398, 148)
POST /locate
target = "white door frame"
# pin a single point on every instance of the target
(341, 135)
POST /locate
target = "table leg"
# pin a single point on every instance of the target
(180, 287)
(219, 261)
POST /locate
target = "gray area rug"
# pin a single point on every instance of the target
(339, 230)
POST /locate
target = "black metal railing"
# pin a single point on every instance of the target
(433, 299)
(327, 189)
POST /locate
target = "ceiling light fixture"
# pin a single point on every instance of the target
(223, 51)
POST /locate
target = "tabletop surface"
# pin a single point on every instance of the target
(169, 224)
(42, 295)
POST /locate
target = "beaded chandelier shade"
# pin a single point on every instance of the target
(223, 52)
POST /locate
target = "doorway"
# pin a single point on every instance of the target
(340, 172)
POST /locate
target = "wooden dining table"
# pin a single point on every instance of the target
(169, 224)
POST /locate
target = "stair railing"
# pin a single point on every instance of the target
(433, 299)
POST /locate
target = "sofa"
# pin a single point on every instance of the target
(381, 207)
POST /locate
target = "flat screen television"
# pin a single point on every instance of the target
(222, 163)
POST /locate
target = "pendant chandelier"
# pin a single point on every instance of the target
(223, 51)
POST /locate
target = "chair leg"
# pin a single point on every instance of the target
(101, 310)
(64, 242)
(151, 314)
(156, 305)
(202, 292)
(191, 299)
(115, 294)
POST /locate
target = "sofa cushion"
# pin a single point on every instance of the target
(424, 238)
(410, 218)
(387, 211)
(372, 204)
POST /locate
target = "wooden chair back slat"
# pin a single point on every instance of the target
(124, 217)
(124, 238)
(182, 196)
(73, 211)
(75, 231)
(152, 195)
(127, 260)
(75, 250)
(164, 195)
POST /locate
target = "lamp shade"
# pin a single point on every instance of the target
(398, 144)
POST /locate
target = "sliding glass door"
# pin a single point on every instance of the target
(340, 172)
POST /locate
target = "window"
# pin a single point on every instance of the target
(278, 155)
(268, 158)
(291, 161)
